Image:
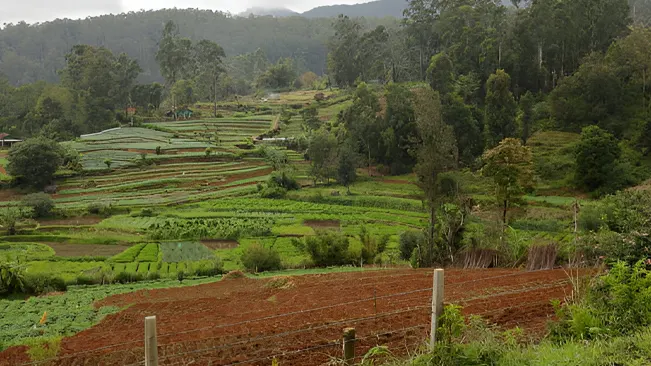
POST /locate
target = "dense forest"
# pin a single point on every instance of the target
(29, 53)
(499, 72)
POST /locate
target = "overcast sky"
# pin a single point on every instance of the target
(43, 10)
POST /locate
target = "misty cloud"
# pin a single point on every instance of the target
(41, 10)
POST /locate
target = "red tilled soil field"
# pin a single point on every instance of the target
(299, 320)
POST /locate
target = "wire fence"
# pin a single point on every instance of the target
(322, 334)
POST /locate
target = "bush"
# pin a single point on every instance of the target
(326, 249)
(209, 268)
(409, 240)
(35, 160)
(258, 258)
(40, 203)
(38, 284)
(284, 181)
(273, 192)
(128, 277)
(100, 208)
(618, 303)
(147, 212)
(590, 218)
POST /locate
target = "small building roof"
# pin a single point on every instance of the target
(3, 135)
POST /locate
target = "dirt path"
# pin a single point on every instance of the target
(249, 321)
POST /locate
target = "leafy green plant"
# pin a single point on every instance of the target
(226, 228)
(41, 204)
(12, 278)
(325, 249)
(258, 258)
(408, 241)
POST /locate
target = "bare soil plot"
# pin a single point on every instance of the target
(72, 221)
(323, 224)
(80, 250)
(249, 322)
(220, 244)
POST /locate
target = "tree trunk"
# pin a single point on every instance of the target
(506, 206)
(432, 223)
(215, 98)
(646, 113)
(422, 77)
(368, 147)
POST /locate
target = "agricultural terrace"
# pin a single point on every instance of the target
(174, 203)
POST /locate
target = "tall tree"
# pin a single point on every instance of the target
(343, 51)
(399, 134)
(322, 152)
(441, 73)
(526, 115)
(208, 56)
(125, 72)
(501, 108)
(420, 18)
(347, 165)
(361, 120)
(174, 56)
(436, 153)
(510, 165)
(597, 155)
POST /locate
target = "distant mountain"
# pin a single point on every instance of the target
(379, 9)
(275, 12)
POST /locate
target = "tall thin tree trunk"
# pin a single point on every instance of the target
(432, 224)
(646, 112)
(506, 206)
(214, 94)
(422, 76)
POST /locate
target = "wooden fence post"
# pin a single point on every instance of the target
(437, 304)
(151, 344)
(349, 346)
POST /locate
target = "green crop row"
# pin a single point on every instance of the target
(128, 255)
(149, 253)
(224, 228)
(185, 251)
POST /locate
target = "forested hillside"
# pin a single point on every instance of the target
(380, 9)
(35, 52)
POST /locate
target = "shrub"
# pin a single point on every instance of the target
(325, 249)
(100, 208)
(40, 203)
(128, 277)
(209, 268)
(284, 181)
(408, 241)
(35, 160)
(147, 212)
(258, 258)
(273, 192)
(180, 275)
(38, 284)
(616, 304)
(590, 218)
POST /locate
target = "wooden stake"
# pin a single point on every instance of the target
(151, 344)
(349, 346)
(437, 304)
